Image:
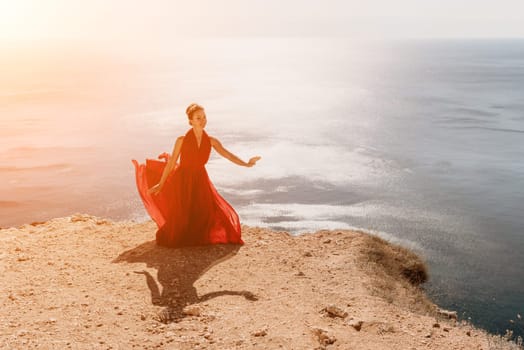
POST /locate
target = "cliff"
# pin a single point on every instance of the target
(82, 282)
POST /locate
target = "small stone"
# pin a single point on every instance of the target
(446, 329)
(356, 324)
(143, 317)
(468, 333)
(300, 274)
(36, 223)
(327, 241)
(260, 333)
(335, 311)
(192, 310)
(448, 314)
(308, 254)
(323, 337)
(436, 325)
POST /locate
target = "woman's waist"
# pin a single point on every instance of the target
(192, 166)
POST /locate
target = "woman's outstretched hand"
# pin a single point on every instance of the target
(154, 190)
(253, 161)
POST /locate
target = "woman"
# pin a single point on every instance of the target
(183, 202)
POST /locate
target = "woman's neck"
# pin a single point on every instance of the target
(198, 130)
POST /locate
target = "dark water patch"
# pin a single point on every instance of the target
(517, 131)
(474, 112)
(462, 120)
(296, 189)
(280, 218)
(280, 228)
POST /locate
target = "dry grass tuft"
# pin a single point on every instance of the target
(395, 260)
(397, 273)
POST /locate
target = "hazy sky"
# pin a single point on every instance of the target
(158, 20)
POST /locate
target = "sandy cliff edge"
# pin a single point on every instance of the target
(83, 282)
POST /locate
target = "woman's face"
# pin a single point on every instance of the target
(198, 119)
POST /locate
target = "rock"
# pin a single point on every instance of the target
(308, 254)
(323, 336)
(327, 241)
(468, 333)
(436, 325)
(260, 333)
(447, 313)
(356, 324)
(335, 311)
(300, 274)
(192, 310)
(37, 223)
(80, 218)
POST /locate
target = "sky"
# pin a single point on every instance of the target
(156, 21)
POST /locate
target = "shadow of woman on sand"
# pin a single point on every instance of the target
(178, 269)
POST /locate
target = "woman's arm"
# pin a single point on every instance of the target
(228, 155)
(169, 166)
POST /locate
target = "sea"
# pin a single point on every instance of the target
(420, 142)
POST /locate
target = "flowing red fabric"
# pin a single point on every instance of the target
(188, 210)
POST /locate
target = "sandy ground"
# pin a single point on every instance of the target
(82, 282)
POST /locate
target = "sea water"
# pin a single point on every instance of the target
(420, 142)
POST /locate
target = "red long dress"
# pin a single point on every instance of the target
(188, 210)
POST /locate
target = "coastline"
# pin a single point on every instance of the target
(84, 282)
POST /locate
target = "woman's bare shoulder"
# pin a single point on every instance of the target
(179, 141)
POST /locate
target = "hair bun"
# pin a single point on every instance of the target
(192, 108)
